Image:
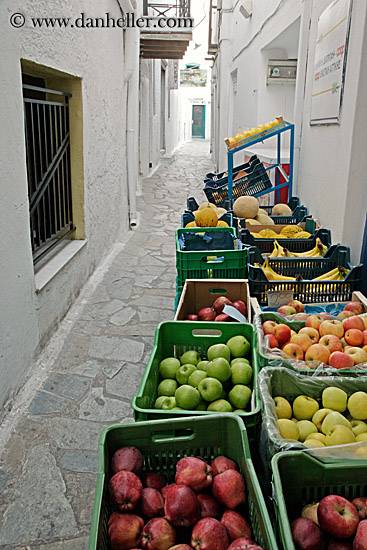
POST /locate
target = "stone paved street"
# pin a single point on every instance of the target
(91, 369)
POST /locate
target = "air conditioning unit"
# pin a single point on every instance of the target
(282, 71)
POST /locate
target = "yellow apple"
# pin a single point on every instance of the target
(304, 407)
(357, 405)
(288, 429)
(335, 419)
(319, 436)
(335, 399)
(313, 443)
(339, 435)
(283, 408)
(306, 427)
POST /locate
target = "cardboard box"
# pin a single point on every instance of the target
(199, 293)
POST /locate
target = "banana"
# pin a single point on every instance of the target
(275, 252)
(319, 250)
(275, 276)
(327, 275)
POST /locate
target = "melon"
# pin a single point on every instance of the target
(207, 217)
(221, 211)
(264, 219)
(281, 210)
(262, 211)
(190, 224)
(246, 207)
(252, 222)
(207, 205)
(221, 223)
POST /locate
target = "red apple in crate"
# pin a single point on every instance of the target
(361, 504)
(307, 535)
(181, 507)
(166, 488)
(151, 503)
(282, 333)
(310, 511)
(241, 306)
(358, 354)
(208, 507)
(340, 360)
(300, 317)
(331, 342)
(180, 547)
(317, 352)
(312, 333)
(303, 340)
(124, 530)
(236, 525)
(332, 326)
(364, 338)
(271, 341)
(209, 534)
(125, 489)
(354, 337)
(360, 539)
(314, 321)
(157, 534)
(223, 318)
(127, 458)
(191, 317)
(269, 327)
(344, 315)
(207, 314)
(221, 464)
(244, 543)
(153, 480)
(218, 304)
(339, 544)
(353, 322)
(354, 307)
(229, 489)
(298, 306)
(193, 472)
(286, 310)
(337, 516)
(293, 350)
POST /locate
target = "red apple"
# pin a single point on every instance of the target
(124, 530)
(223, 318)
(191, 317)
(353, 322)
(317, 352)
(153, 480)
(218, 304)
(269, 327)
(332, 326)
(193, 472)
(354, 337)
(236, 525)
(151, 503)
(208, 507)
(354, 307)
(300, 317)
(157, 534)
(293, 350)
(271, 341)
(337, 516)
(229, 489)
(207, 314)
(221, 464)
(358, 354)
(241, 306)
(180, 547)
(166, 488)
(302, 340)
(364, 338)
(181, 506)
(298, 306)
(340, 360)
(307, 535)
(243, 543)
(314, 321)
(125, 489)
(364, 319)
(361, 504)
(331, 342)
(310, 511)
(282, 333)
(127, 458)
(339, 544)
(286, 310)
(311, 332)
(360, 539)
(209, 534)
(345, 314)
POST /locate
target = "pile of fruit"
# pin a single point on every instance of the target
(201, 509)
(207, 215)
(318, 251)
(304, 421)
(334, 523)
(215, 311)
(252, 131)
(221, 383)
(287, 232)
(248, 208)
(337, 274)
(340, 343)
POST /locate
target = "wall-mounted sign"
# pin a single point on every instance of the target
(330, 61)
(193, 77)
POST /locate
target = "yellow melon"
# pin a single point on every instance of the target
(207, 205)
(252, 222)
(281, 210)
(221, 223)
(190, 224)
(221, 211)
(264, 219)
(246, 207)
(207, 217)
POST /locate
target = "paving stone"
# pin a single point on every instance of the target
(111, 369)
(142, 329)
(67, 385)
(123, 316)
(111, 347)
(100, 295)
(80, 543)
(90, 369)
(157, 315)
(96, 407)
(120, 290)
(126, 383)
(105, 310)
(81, 489)
(80, 462)
(159, 302)
(70, 433)
(47, 403)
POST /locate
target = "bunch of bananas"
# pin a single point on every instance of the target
(337, 274)
(273, 275)
(279, 251)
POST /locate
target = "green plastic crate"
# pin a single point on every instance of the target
(172, 339)
(163, 443)
(293, 491)
(213, 264)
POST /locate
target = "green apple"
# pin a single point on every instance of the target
(311, 443)
(183, 373)
(333, 419)
(167, 387)
(192, 357)
(220, 405)
(219, 350)
(361, 437)
(357, 405)
(318, 436)
(219, 368)
(202, 405)
(339, 435)
(239, 346)
(177, 409)
(319, 417)
(239, 360)
(210, 389)
(288, 429)
(306, 427)
(283, 408)
(159, 401)
(239, 411)
(168, 403)
(187, 397)
(335, 399)
(304, 407)
(240, 396)
(241, 373)
(168, 367)
(202, 365)
(358, 427)
(196, 377)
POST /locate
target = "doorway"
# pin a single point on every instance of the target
(198, 121)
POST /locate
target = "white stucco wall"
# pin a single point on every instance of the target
(96, 56)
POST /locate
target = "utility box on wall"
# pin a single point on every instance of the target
(281, 71)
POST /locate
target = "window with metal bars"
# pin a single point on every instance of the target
(47, 136)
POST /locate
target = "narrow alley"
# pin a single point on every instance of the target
(91, 369)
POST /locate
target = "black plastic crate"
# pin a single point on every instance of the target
(192, 205)
(215, 176)
(299, 215)
(266, 246)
